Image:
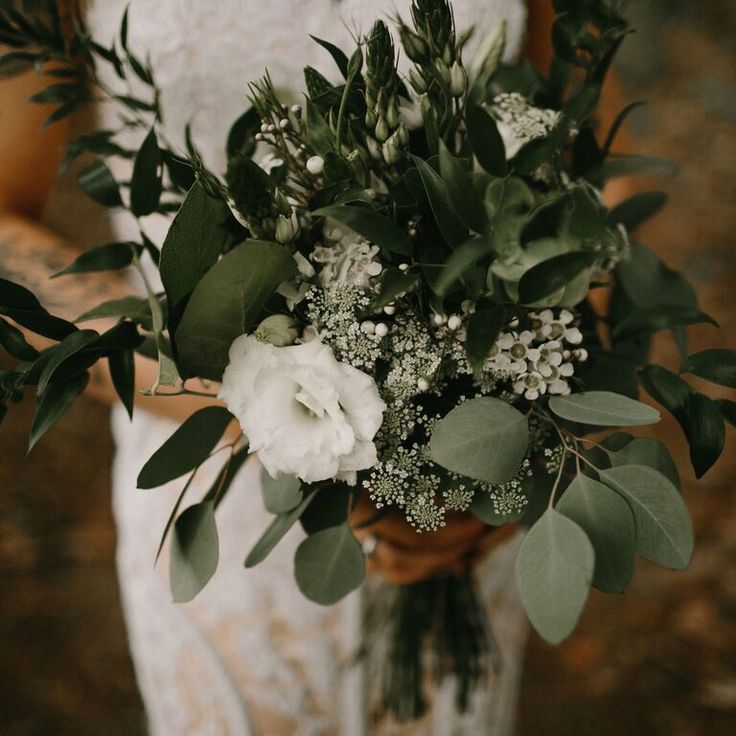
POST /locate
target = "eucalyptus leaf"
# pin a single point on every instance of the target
(554, 570)
(186, 449)
(54, 403)
(649, 452)
(663, 528)
(280, 494)
(329, 564)
(109, 257)
(483, 329)
(609, 523)
(603, 409)
(227, 303)
(136, 308)
(483, 438)
(194, 551)
(97, 181)
(69, 346)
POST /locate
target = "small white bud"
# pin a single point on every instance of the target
(296, 109)
(423, 384)
(389, 309)
(264, 127)
(403, 266)
(439, 319)
(454, 322)
(368, 327)
(284, 124)
(315, 165)
(272, 128)
(381, 329)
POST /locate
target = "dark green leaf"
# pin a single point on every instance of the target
(555, 273)
(616, 126)
(329, 564)
(637, 209)
(608, 521)
(728, 410)
(187, 448)
(227, 303)
(330, 507)
(717, 366)
(59, 94)
(280, 494)
(370, 225)
(484, 327)
(136, 308)
(318, 132)
(109, 257)
(337, 54)
(241, 138)
(11, 338)
(99, 184)
(275, 532)
(663, 528)
(461, 192)
(69, 346)
(603, 409)
(54, 403)
(449, 225)
(146, 184)
(706, 432)
(482, 438)
(461, 260)
(194, 551)
(394, 283)
(666, 388)
(554, 569)
(628, 165)
(122, 373)
(486, 141)
(646, 320)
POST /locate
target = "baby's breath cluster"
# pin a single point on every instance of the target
(509, 500)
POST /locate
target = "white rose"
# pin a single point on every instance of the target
(305, 413)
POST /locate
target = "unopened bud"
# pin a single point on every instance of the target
(381, 132)
(417, 82)
(278, 329)
(390, 150)
(286, 228)
(315, 165)
(458, 80)
(392, 114)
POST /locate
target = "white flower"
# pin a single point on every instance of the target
(295, 290)
(349, 260)
(305, 413)
(519, 122)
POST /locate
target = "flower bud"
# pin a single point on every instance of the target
(414, 46)
(403, 135)
(315, 165)
(381, 131)
(370, 119)
(443, 70)
(374, 148)
(458, 80)
(417, 82)
(390, 150)
(286, 228)
(392, 114)
(278, 329)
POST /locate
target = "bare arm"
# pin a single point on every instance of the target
(30, 252)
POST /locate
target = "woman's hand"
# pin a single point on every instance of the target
(403, 556)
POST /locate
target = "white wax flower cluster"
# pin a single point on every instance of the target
(348, 259)
(304, 413)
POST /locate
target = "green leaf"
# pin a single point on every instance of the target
(554, 569)
(276, 531)
(618, 166)
(330, 507)
(318, 132)
(98, 183)
(486, 141)
(728, 410)
(608, 521)
(554, 274)
(136, 308)
(12, 339)
(21, 305)
(68, 347)
(54, 403)
(706, 432)
(484, 327)
(617, 123)
(461, 259)
(637, 209)
(663, 528)
(109, 257)
(482, 438)
(280, 494)
(122, 373)
(329, 564)
(187, 448)
(193, 244)
(370, 225)
(241, 138)
(646, 320)
(227, 303)
(666, 388)
(717, 366)
(146, 184)
(649, 452)
(337, 54)
(447, 221)
(603, 409)
(394, 283)
(194, 551)
(462, 194)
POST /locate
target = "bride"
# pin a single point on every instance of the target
(250, 655)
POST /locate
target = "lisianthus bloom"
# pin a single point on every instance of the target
(304, 412)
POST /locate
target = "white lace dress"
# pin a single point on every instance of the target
(250, 655)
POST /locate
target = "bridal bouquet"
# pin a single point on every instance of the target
(394, 284)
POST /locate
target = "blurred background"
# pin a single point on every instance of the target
(660, 660)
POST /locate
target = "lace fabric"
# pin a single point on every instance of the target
(250, 655)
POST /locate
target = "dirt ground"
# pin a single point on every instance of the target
(660, 660)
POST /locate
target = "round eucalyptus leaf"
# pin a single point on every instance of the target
(609, 523)
(649, 452)
(483, 438)
(554, 570)
(603, 409)
(329, 564)
(664, 531)
(280, 494)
